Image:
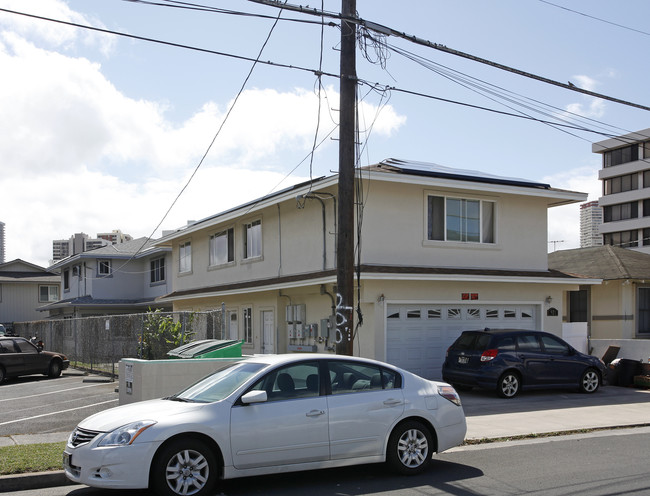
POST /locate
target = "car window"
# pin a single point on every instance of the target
(219, 385)
(301, 380)
(465, 341)
(554, 346)
(25, 346)
(356, 377)
(506, 343)
(528, 342)
(4, 348)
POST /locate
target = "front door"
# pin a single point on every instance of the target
(268, 332)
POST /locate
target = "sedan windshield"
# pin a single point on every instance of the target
(219, 385)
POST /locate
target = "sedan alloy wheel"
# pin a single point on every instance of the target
(185, 468)
(589, 381)
(410, 448)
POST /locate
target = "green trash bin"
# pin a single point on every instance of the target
(208, 348)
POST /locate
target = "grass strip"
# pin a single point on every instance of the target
(25, 458)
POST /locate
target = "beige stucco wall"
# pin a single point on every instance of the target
(375, 296)
(395, 230)
(613, 310)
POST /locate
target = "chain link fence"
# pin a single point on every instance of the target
(97, 344)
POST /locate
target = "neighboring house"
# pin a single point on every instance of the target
(619, 308)
(116, 279)
(441, 250)
(626, 190)
(23, 288)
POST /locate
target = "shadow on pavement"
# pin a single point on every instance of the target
(484, 402)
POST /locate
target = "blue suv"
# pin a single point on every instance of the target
(509, 360)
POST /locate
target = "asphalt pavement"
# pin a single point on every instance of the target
(488, 418)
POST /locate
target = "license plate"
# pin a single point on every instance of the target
(463, 359)
(67, 460)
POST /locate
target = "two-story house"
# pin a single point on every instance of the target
(119, 278)
(23, 288)
(440, 250)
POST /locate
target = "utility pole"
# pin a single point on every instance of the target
(347, 162)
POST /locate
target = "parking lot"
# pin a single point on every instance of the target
(38, 405)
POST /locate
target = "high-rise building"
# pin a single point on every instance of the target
(591, 217)
(80, 242)
(626, 190)
(2, 242)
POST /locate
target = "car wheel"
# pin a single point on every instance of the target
(55, 369)
(509, 385)
(589, 381)
(410, 448)
(185, 467)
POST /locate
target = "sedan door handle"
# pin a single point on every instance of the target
(392, 402)
(316, 413)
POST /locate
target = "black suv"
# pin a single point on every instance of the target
(510, 360)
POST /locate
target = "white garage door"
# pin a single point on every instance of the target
(417, 336)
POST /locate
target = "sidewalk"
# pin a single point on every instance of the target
(488, 417)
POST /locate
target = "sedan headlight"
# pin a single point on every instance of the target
(125, 435)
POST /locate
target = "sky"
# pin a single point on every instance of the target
(101, 131)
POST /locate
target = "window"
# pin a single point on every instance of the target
(222, 248)
(622, 211)
(104, 267)
(48, 293)
(554, 346)
(528, 343)
(157, 270)
(578, 306)
(624, 239)
(473, 313)
(350, 377)
(434, 313)
(185, 257)
(248, 325)
(301, 380)
(621, 156)
(619, 184)
(646, 236)
(646, 178)
(413, 314)
(253, 239)
(643, 303)
(459, 219)
(66, 280)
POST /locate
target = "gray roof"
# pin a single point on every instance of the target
(602, 262)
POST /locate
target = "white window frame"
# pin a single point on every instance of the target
(253, 239)
(52, 293)
(104, 267)
(157, 270)
(487, 218)
(185, 257)
(222, 248)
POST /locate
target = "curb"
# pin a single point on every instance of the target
(38, 480)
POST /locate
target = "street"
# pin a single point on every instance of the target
(37, 404)
(599, 464)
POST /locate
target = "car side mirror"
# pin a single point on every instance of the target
(254, 397)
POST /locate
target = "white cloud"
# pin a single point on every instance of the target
(564, 222)
(52, 33)
(78, 155)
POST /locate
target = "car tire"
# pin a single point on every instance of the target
(589, 381)
(54, 370)
(410, 448)
(184, 467)
(509, 384)
(3, 374)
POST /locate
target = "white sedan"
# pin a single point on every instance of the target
(268, 414)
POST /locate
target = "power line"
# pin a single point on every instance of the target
(596, 18)
(388, 31)
(169, 43)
